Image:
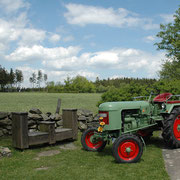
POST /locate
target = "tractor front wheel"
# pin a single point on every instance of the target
(127, 149)
(88, 142)
(171, 129)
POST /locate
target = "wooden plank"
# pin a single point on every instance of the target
(70, 121)
(58, 130)
(52, 138)
(38, 139)
(37, 133)
(20, 130)
(62, 135)
(58, 106)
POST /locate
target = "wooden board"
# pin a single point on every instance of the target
(36, 138)
(62, 134)
(20, 130)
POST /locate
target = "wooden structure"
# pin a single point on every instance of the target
(22, 139)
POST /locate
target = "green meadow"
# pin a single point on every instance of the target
(73, 164)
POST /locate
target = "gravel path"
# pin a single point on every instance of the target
(172, 162)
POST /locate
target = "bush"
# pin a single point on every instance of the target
(128, 91)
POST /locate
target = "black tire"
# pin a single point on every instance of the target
(88, 145)
(121, 145)
(170, 133)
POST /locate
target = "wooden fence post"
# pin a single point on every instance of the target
(20, 130)
(58, 106)
(70, 121)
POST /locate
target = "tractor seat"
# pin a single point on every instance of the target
(162, 97)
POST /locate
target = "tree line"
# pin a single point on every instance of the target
(80, 84)
(9, 79)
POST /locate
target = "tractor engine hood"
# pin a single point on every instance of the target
(114, 106)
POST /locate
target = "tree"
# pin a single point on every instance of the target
(45, 78)
(170, 41)
(68, 86)
(82, 85)
(39, 78)
(18, 78)
(11, 77)
(45, 81)
(170, 70)
(4, 75)
(33, 79)
(170, 35)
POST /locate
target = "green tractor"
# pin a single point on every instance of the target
(129, 123)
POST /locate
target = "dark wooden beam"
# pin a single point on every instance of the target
(70, 121)
(20, 130)
(58, 106)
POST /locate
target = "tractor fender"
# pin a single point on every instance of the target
(170, 107)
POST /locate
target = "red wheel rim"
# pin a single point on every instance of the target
(176, 128)
(89, 142)
(128, 150)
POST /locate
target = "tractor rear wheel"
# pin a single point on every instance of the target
(171, 129)
(127, 149)
(87, 141)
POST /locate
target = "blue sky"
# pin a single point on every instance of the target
(83, 37)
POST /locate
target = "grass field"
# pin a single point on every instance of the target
(73, 164)
(47, 101)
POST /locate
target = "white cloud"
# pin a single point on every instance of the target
(7, 31)
(38, 52)
(54, 38)
(31, 36)
(104, 58)
(11, 6)
(130, 59)
(71, 60)
(3, 48)
(16, 30)
(25, 54)
(68, 38)
(82, 15)
(149, 39)
(149, 25)
(167, 17)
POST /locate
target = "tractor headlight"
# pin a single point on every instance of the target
(163, 105)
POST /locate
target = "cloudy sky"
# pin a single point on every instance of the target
(104, 38)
